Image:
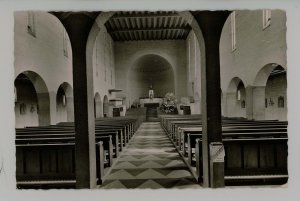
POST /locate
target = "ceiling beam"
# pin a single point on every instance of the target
(187, 28)
(148, 15)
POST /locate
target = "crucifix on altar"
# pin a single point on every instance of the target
(151, 92)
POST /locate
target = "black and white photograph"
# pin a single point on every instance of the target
(150, 99)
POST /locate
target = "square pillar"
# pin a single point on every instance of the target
(44, 108)
(78, 26)
(70, 109)
(53, 111)
(211, 24)
(259, 102)
(249, 102)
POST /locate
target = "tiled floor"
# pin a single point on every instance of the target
(150, 161)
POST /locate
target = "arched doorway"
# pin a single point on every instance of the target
(150, 71)
(32, 102)
(236, 98)
(65, 103)
(105, 106)
(97, 106)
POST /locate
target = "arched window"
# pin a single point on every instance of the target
(64, 100)
(31, 23)
(238, 95)
(233, 31)
(266, 18)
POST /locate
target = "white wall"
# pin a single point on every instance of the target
(193, 72)
(255, 48)
(104, 64)
(43, 54)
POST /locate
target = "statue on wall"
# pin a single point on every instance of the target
(151, 92)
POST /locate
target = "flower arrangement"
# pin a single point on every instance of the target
(169, 104)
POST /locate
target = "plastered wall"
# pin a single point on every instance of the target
(256, 47)
(43, 53)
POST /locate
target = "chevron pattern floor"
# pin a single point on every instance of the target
(149, 161)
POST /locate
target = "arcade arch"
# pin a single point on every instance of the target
(271, 84)
(32, 102)
(236, 98)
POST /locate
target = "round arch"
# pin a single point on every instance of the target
(105, 106)
(263, 74)
(65, 103)
(32, 104)
(104, 16)
(98, 106)
(150, 71)
(236, 98)
(276, 95)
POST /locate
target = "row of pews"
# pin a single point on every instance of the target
(45, 155)
(255, 151)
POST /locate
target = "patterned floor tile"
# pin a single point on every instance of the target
(149, 161)
(150, 184)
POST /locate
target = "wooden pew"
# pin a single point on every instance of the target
(264, 141)
(37, 135)
(251, 160)
(46, 155)
(51, 165)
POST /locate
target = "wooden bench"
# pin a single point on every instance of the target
(251, 160)
(260, 145)
(50, 165)
(46, 155)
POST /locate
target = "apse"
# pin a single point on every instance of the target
(150, 71)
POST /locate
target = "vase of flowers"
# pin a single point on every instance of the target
(169, 105)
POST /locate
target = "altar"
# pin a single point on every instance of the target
(149, 101)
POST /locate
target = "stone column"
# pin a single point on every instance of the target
(211, 24)
(78, 26)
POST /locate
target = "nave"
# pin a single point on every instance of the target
(150, 161)
(79, 130)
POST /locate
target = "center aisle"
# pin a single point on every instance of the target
(150, 161)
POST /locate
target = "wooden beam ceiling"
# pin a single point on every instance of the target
(144, 25)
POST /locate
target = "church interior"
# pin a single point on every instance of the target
(150, 100)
